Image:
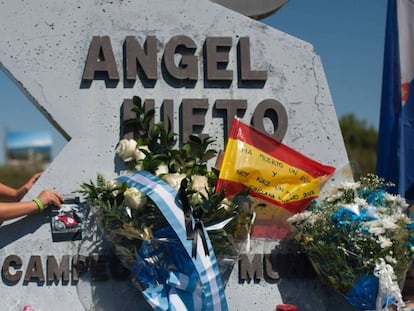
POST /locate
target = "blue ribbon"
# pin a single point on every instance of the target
(166, 296)
(363, 295)
(163, 267)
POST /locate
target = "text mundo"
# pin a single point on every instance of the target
(179, 66)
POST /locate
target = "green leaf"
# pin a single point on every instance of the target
(137, 101)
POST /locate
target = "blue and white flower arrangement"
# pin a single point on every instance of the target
(360, 241)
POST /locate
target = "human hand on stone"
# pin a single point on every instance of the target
(50, 197)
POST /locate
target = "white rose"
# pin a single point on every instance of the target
(174, 180)
(114, 186)
(134, 199)
(138, 154)
(199, 183)
(225, 204)
(161, 169)
(126, 149)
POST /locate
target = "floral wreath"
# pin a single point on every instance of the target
(143, 238)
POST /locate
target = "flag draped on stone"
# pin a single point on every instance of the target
(270, 170)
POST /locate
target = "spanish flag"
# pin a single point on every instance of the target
(272, 171)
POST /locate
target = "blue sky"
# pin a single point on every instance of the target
(347, 35)
(16, 140)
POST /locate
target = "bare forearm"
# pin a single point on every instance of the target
(45, 199)
(14, 210)
(10, 193)
(7, 192)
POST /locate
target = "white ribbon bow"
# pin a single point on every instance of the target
(388, 286)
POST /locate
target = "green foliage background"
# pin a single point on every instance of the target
(15, 176)
(360, 141)
(361, 144)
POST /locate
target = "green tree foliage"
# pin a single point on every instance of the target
(361, 144)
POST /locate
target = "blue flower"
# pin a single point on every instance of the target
(344, 217)
(375, 198)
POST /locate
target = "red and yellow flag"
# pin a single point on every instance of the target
(271, 170)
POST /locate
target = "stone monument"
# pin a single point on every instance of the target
(199, 65)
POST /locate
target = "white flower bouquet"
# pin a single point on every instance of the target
(144, 238)
(360, 242)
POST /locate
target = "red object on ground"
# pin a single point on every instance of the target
(286, 307)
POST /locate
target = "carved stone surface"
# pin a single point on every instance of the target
(44, 47)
